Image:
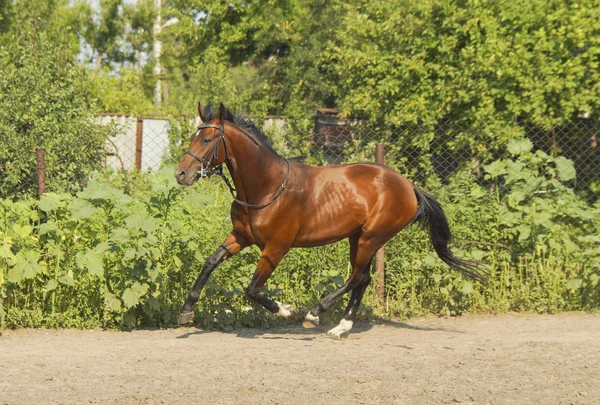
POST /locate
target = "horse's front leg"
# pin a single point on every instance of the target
(269, 259)
(234, 243)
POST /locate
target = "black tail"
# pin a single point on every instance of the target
(431, 215)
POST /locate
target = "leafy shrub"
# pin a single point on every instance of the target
(106, 258)
(45, 102)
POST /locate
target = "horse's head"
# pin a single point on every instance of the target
(208, 148)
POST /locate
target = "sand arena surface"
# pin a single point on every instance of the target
(518, 359)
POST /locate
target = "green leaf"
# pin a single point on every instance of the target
(467, 287)
(5, 251)
(47, 227)
(574, 284)
(82, 209)
(130, 253)
(140, 289)
(524, 232)
(120, 236)
(153, 303)
(543, 219)
(50, 202)
(66, 280)
(130, 298)
(101, 247)
(565, 168)
(15, 274)
(515, 198)
(27, 263)
(112, 303)
(141, 220)
(51, 285)
(429, 260)
(519, 146)
(195, 201)
(477, 192)
(92, 260)
(495, 169)
(23, 231)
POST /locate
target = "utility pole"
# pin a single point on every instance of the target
(157, 51)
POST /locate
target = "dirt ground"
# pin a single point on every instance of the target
(469, 360)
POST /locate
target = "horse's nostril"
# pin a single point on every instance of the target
(180, 174)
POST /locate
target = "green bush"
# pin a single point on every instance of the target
(45, 103)
(105, 258)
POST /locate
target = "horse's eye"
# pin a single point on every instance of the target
(207, 140)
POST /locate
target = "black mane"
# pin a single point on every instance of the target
(244, 123)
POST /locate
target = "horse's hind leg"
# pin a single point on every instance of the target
(232, 245)
(354, 303)
(362, 250)
(269, 259)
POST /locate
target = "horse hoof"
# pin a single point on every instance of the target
(342, 329)
(285, 311)
(310, 321)
(309, 324)
(335, 334)
(185, 318)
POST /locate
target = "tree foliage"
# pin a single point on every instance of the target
(45, 101)
(474, 61)
(103, 30)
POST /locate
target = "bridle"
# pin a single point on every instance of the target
(205, 169)
(213, 155)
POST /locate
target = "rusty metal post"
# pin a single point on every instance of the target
(379, 256)
(138, 142)
(41, 171)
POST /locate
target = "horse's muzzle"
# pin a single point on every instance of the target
(185, 178)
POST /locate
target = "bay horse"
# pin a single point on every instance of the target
(281, 204)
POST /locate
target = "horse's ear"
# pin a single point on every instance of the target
(201, 112)
(223, 114)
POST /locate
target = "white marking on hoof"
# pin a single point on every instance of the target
(343, 327)
(284, 310)
(310, 321)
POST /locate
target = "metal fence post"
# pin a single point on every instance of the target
(138, 142)
(41, 171)
(379, 256)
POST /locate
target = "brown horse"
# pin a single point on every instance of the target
(281, 205)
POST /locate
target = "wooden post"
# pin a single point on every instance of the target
(41, 171)
(138, 142)
(379, 256)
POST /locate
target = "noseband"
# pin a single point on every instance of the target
(213, 155)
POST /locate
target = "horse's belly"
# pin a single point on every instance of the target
(317, 232)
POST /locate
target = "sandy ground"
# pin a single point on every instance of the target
(469, 360)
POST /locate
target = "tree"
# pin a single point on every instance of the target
(46, 102)
(55, 18)
(103, 32)
(140, 18)
(467, 61)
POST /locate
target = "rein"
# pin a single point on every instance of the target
(213, 155)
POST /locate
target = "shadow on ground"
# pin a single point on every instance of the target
(297, 332)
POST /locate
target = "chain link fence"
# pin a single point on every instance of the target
(141, 142)
(418, 151)
(422, 151)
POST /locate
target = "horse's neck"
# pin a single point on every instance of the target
(256, 171)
